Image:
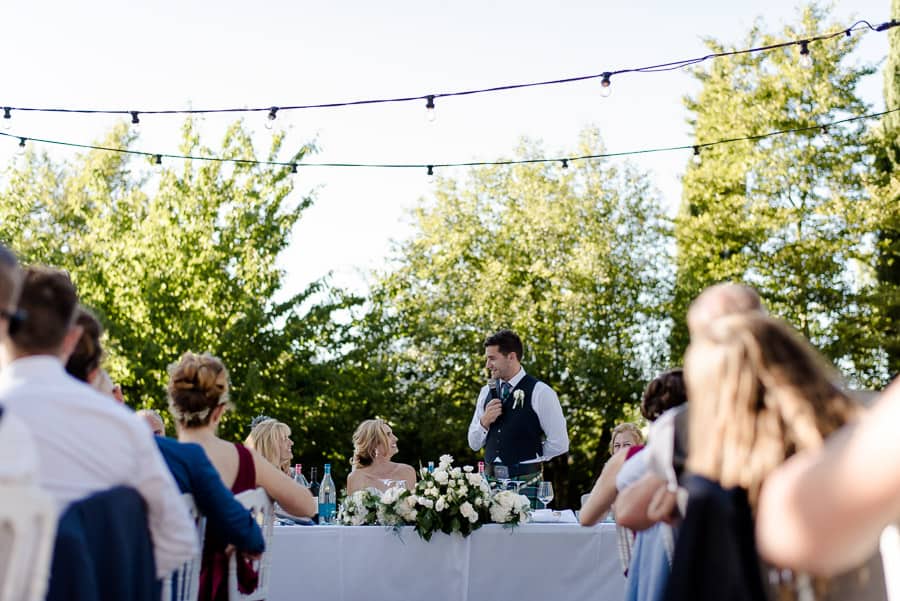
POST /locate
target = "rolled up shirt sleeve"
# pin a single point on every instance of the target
(549, 411)
(477, 434)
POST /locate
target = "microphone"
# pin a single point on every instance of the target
(493, 392)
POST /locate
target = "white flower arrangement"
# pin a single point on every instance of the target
(510, 508)
(448, 500)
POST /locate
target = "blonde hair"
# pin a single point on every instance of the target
(626, 427)
(267, 437)
(197, 385)
(759, 393)
(368, 437)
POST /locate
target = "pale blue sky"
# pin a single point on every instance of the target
(172, 53)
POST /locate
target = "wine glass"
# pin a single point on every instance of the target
(545, 493)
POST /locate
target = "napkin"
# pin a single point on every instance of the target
(551, 516)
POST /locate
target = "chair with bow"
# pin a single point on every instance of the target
(259, 504)
(28, 519)
(184, 583)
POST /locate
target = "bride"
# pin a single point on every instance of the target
(374, 444)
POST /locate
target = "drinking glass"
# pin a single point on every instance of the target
(545, 493)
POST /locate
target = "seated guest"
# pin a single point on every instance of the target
(272, 439)
(194, 474)
(374, 444)
(85, 443)
(759, 393)
(803, 524)
(154, 420)
(18, 457)
(198, 397)
(84, 362)
(625, 436)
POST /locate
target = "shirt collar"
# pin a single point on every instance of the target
(514, 381)
(32, 366)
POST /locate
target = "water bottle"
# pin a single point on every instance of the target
(299, 478)
(431, 467)
(313, 483)
(327, 497)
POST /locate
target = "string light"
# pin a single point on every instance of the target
(134, 118)
(157, 159)
(270, 119)
(696, 158)
(565, 163)
(431, 167)
(293, 168)
(430, 115)
(21, 145)
(605, 83)
(7, 118)
(430, 174)
(805, 59)
(430, 98)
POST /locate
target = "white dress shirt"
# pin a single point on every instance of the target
(87, 443)
(545, 403)
(18, 456)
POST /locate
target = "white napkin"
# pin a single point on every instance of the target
(551, 516)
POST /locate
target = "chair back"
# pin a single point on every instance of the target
(184, 583)
(262, 509)
(28, 519)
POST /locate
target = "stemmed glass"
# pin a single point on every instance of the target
(545, 493)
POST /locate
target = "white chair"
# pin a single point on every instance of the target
(28, 518)
(184, 583)
(263, 511)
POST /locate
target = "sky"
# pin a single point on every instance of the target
(203, 54)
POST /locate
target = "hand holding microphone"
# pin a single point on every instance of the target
(494, 407)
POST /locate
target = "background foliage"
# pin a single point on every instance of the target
(582, 262)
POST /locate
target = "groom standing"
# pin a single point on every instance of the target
(519, 422)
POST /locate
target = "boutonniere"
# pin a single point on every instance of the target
(518, 398)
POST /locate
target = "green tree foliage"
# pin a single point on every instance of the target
(186, 260)
(783, 214)
(885, 218)
(571, 259)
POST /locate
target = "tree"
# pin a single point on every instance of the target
(885, 218)
(186, 260)
(569, 258)
(783, 213)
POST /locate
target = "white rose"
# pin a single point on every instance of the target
(462, 490)
(426, 503)
(478, 501)
(456, 472)
(445, 460)
(468, 469)
(441, 503)
(498, 514)
(440, 476)
(411, 501)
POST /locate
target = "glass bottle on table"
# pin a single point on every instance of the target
(313, 483)
(299, 478)
(327, 498)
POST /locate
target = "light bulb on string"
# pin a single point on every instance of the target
(293, 168)
(430, 115)
(606, 85)
(565, 163)
(270, 118)
(7, 118)
(157, 162)
(696, 158)
(135, 120)
(21, 146)
(430, 174)
(805, 58)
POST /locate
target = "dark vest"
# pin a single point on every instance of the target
(516, 435)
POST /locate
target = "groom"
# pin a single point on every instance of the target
(518, 419)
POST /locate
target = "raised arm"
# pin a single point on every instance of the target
(604, 492)
(823, 511)
(295, 499)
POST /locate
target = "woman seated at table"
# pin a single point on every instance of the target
(198, 397)
(272, 439)
(374, 444)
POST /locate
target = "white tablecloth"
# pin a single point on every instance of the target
(540, 562)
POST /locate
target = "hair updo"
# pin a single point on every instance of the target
(197, 385)
(666, 391)
(368, 437)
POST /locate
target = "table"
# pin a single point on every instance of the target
(540, 562)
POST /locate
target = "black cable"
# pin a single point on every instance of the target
(564, 160)
(669, 66)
